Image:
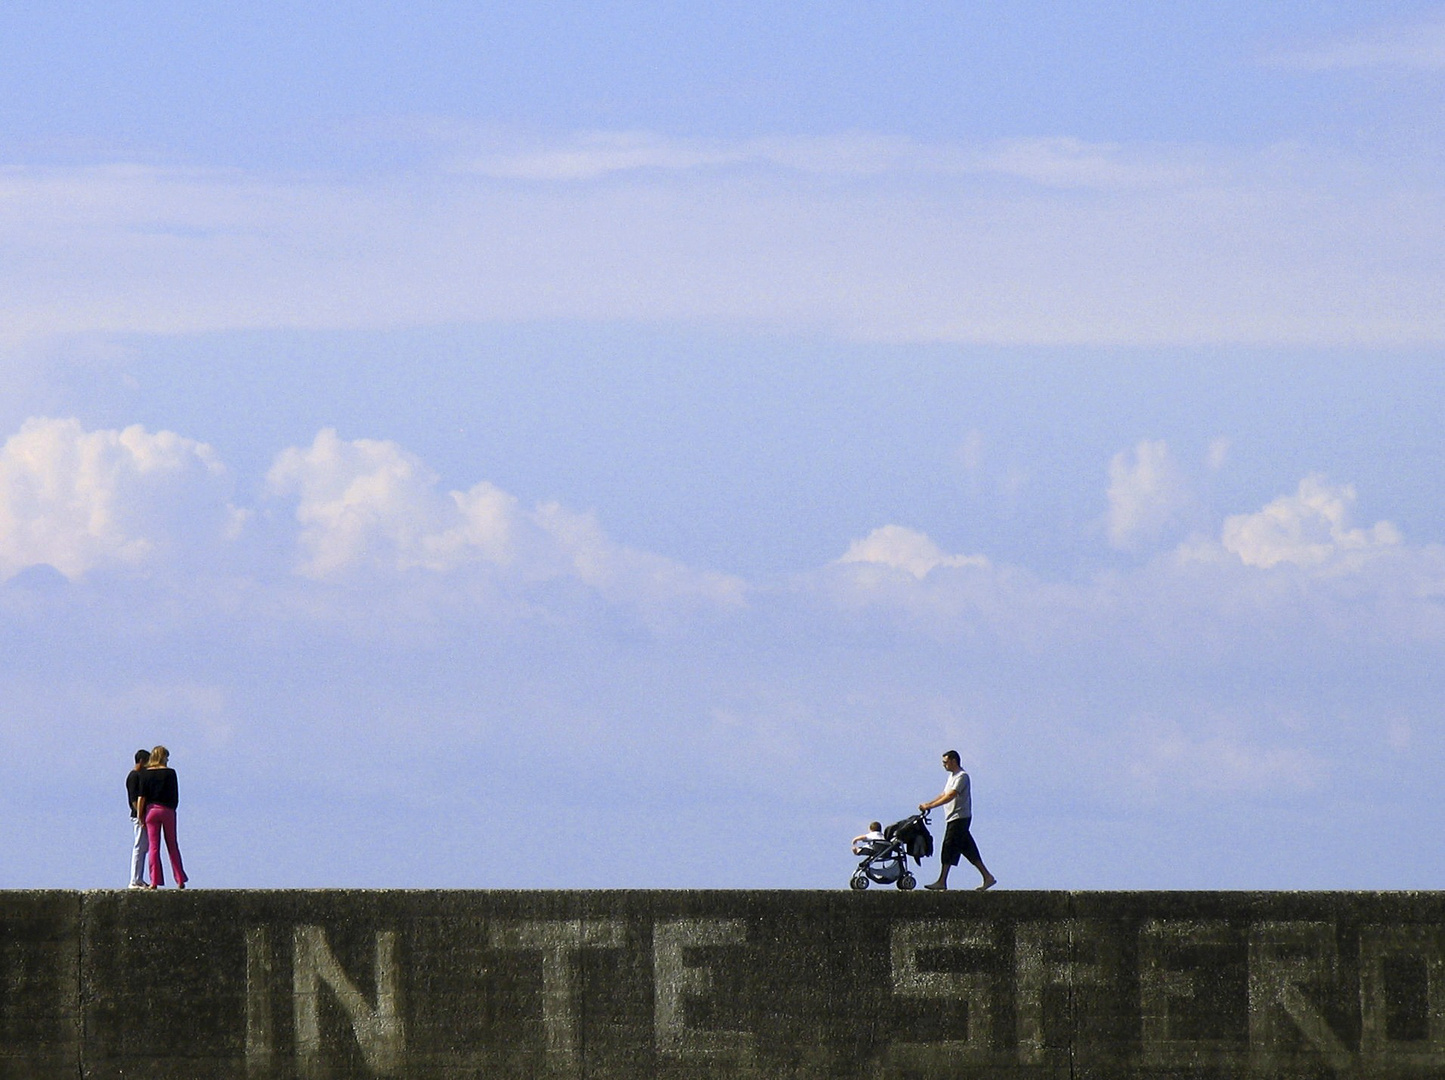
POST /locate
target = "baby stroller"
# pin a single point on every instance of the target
(886, 861)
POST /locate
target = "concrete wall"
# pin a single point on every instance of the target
(680, 985)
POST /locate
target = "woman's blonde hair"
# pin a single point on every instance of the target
(159, 756)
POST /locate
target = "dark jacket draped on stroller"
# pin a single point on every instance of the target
(913, 835)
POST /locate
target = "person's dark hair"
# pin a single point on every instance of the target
(142, 756)
(875, 826)
(952, 754)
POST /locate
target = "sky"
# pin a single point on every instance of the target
(623, 445)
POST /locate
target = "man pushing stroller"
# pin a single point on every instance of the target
(957, 840)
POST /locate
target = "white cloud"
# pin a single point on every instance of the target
(628, 574)
(1222, 763)
(898, 577)
(1309, 528)
(1074, 163)
(1399, 735)
(1025, 242)
(370, 504)
(77, 500)
(1147, 494)
(592, 155)
(1217, 454)
(902, 574)
(905, 549)
(1051, 161)
(970, 452)
(1419, 47)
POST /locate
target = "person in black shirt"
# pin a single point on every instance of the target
(156, 805)
(140, 845)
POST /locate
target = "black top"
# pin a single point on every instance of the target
(132, 788)
(159, 786)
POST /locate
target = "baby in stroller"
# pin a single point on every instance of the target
(863, 844)
(885, 852)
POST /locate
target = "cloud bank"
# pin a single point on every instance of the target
(367, 512)
(1057, 162)
(1022, 241)
(1418, 46)
(1299, 562)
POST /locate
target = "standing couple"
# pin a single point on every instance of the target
(151, 790)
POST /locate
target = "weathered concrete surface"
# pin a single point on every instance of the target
(40, 1019)
(692, 985)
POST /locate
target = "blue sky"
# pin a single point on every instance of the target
(658, 433)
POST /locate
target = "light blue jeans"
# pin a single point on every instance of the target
(138, 853)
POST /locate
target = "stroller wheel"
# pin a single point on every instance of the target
(858, 881)
(907, 881)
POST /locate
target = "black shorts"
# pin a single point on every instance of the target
(957, 840)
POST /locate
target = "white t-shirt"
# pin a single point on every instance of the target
(962, 805)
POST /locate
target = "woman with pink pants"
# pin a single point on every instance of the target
(156, 806)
